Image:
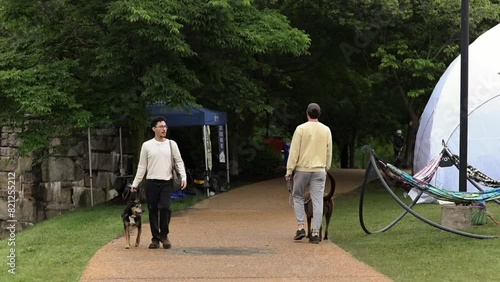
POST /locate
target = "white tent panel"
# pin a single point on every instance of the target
(441, 117)
(483, 146)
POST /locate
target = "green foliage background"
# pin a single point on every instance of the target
(263, 163)
(68, 65)
(372, 65)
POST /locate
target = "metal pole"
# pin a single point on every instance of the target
(122, 171)
(90, 169)
(464, 93)
(227, 157)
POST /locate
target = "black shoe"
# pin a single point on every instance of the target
(299, 235)
(154, 244)
(314, 239)
(166, 243)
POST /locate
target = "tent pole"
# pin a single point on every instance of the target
(227, 157)
(464, 93)
(90, 169)
(122, 172)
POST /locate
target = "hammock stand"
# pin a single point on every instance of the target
(373, 167)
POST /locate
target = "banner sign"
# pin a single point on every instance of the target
(222, 145)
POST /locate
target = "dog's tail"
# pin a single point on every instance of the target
(332, 187)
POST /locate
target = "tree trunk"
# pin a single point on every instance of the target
(410, 143)
(412, 128)
(351, 156)
(240, 134)
(344, 156)
(233, 154)
(352, 147)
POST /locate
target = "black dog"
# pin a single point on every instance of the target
(132, 216)
(327, 209)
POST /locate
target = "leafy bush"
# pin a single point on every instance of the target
(382, 146)
(262, 164)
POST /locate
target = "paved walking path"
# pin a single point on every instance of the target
(242, 235)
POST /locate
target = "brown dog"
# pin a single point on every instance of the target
(132, 216)
(327, 209)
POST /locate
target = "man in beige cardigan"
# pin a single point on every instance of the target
(310, 157)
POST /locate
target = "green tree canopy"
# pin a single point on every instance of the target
(374, 64)
(67, 65)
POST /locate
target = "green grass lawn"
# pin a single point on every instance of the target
(413, 250)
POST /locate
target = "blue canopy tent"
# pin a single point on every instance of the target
(192, 116)
(189, 116)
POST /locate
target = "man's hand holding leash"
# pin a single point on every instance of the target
(183, 184)
(289, 187)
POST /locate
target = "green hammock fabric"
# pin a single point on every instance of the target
(442, 194)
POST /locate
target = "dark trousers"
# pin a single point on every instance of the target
(158, 193)
(398, 157)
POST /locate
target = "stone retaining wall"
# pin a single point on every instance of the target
(60, 182)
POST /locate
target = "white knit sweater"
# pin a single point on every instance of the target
(156, 160)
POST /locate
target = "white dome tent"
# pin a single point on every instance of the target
(441, 117)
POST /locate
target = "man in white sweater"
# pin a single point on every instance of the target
(156, 162)
(310, 157)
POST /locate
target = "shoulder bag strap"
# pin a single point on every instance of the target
(171, 154)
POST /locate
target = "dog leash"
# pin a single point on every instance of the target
(127, 194)
(289, 187)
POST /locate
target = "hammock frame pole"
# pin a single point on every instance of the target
(408, 209)
(361, 204)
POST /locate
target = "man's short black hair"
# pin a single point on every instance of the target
(314, 114)
(156, 120)
(313, 110)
